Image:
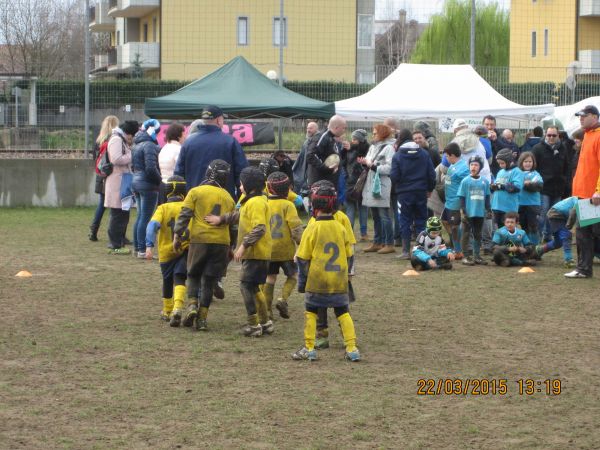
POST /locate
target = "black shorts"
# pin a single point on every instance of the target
(254, 271)
(290, 268)
(177, 266)
(452, 216)
(208, 260)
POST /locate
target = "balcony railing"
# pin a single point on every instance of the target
(112, 56)
(100, 21)
(589, 8)
(132, 8)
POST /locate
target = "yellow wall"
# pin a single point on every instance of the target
(559, 17)
(149, 20)
(321, 38)
(589, 33)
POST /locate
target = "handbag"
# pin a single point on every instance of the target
(356, 192)
(105, 167)
(376, 186)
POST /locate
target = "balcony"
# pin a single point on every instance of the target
(126, 56)
(100, 21)
(589, 8)
(590, 61)
(132, 8)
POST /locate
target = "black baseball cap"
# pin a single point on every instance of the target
(211, 112)
(589, 109)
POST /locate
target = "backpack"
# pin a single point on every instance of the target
(103, 165)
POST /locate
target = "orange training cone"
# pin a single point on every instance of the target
(24, 274)
(411, 273)
(526, 270)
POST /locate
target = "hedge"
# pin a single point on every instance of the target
(110, 94)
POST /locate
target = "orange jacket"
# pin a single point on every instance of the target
(587, 177)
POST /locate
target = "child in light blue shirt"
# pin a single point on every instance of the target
(530, 199)
(509, 182)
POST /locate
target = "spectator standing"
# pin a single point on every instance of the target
(167, 158)
(206, 145)
(321, 146)
(536, 137)
(508, 137)
(108, 124)
(419, 138)
(586, 184)
(379, 163)
(119, 153)
(553, 165)
(359, 147)
(299, 168)
(146, 180)
(432, 143)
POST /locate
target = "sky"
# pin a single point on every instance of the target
(417, 9)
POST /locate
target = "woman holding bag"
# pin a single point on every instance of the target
(377, 189)
(119, 153)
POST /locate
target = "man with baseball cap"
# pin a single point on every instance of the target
(586, 185)
(206, 145)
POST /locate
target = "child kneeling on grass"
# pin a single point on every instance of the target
(172, 262)
(210, 246)
(323, 259)
(512, 247)
(431, 251)
(562, 218)
(254, 248)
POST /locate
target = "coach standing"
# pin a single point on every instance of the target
(321, 146)
(586, 184)
(206, 145)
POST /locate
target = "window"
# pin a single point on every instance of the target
(118, 38)
(533, 44)
(365, 31)
(145, 32)
(546, 42)
(366, 77)
(154, 29)
(276, 32)
(242, 31)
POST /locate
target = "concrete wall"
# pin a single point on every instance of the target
(47, 182)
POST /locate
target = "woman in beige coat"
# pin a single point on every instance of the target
(119, 153)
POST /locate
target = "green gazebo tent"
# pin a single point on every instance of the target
(240, 90)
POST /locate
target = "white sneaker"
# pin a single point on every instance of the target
(575, 274)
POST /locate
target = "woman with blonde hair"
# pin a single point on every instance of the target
(108, 124)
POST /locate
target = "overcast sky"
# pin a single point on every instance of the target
(417, 9)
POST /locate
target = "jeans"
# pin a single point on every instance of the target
(99, 212)
(396, 213)
(383, 228)
(146, 204)
(544, 225)
(363, 214)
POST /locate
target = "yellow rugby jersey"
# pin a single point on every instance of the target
(204, 200)
(342, 218)
(291, 195)
(326, 245)
(255, 212)
(166, 215)
(284, 218)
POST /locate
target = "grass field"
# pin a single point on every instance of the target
(87, 364)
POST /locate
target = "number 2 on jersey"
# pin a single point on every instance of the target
(332, 248)
(276, 222)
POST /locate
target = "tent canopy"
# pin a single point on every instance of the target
(427, 91)
(240, 90)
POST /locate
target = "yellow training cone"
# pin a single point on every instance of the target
(24, 274)
(410, 273)
(526, 270)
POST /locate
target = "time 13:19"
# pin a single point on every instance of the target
(528, 386)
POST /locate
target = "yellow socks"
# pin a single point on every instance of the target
(267, 290)
(167, 307)
(252, 320)
(347, 326)
(310, 330)
(179, 296)
(203, 312)
(288, 287)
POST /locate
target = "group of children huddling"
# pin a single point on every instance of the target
(516, 200)
(195, 234)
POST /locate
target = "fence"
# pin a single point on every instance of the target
(54, 118)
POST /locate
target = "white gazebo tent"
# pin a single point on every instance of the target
(426, 91)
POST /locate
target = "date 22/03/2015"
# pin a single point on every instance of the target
(488, 386)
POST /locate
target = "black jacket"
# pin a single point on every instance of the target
(321, 145)
(553, 165)
(353, 169)
(144, 159)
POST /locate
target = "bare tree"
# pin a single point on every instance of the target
(43, 38)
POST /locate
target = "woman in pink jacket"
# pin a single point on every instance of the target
(119, 153)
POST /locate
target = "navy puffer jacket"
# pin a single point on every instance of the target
(144, 160)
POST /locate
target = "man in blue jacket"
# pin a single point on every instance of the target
(413, 178)
(206, 145)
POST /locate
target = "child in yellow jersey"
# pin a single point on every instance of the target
(172, 262)
(286, 231)
(322, 325)
(323, 259)
(254, 248)
(209, 245)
